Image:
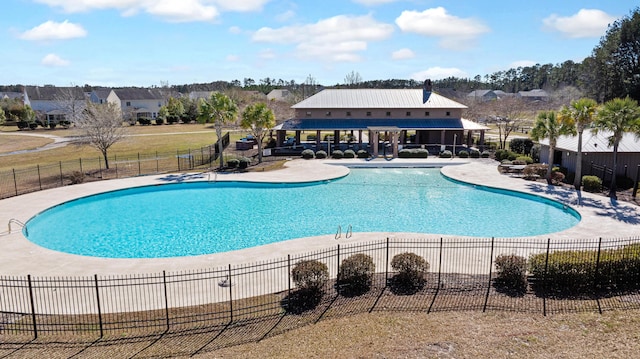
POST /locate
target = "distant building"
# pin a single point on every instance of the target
(534, 95)
(400, 117)
(482, 95)
(279, 95)
(55, 104)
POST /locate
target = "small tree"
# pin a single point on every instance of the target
(101, 126)
(548, 125)
(258, 118)
(220, 110)
(356, 274)
(580, 114)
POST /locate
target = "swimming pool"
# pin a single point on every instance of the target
(195, 218)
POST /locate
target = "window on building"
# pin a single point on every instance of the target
(388, 113)
(308, 113)
(128, 103)
(348, 113)
(448, 113)
(408, 113)
(426, 113)
(328, 113)
(368, 113)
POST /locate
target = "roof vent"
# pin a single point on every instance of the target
(426, 90)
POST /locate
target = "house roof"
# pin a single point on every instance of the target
(597, 143)
(132, 93)
(102, 92)
(53, 93)
(11, 95)
(480, 93)
(363, 124)
(375, 98)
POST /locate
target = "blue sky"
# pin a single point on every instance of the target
(154, 42)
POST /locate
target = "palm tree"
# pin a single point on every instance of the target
(617, 116)
(258, 117)
(220, 110)
(548, 125)
(580, 114)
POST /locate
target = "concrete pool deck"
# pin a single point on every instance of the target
(601, 217)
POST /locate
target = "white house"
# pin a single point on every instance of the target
(54, 104)
(138, 102)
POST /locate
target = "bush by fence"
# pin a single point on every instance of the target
(461, 276)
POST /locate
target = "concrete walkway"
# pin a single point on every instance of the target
(601, 217)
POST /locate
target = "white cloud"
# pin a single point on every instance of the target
(339, 38)
(182, 10)
(522, 63)
(438, 73)
(403, 54)
(172, 10)
(287, 15)
(235, 30)
(454, 33)
(267, 54)
(586, 23)
(54, 60)
(51, 30)
(233, 58)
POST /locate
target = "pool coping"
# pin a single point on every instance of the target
(601, 217)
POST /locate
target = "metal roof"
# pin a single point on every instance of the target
(597, 143)
(376, 98)
(363, 124)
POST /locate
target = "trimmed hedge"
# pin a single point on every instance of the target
(591, 183)
(511, 274)
(474, 153)
(446, 154)
(310, 275)
(355, 275)
(485, 154)
(349, 154)
(363, 154)
(233, 162)
(307, 154)
(411, 269)
(321, 154)
(413, 153)
(337, 154)
(574, 272)
(463, 154)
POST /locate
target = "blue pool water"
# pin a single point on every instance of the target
(197, 218)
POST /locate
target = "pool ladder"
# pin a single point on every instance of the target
(10, 228)
(347, 234)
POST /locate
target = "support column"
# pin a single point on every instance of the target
(481, 140)
(318, 139)
(280, 137)
(394, 137)
(373, 141)
(336, 138)
(298, 137)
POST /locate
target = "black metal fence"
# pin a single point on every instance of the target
(245, 303)
(40, 177)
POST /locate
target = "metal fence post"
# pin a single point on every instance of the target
(15, 182)
(33, 308)
(544, 279)
(166, 298)
(100, 166)
(338, 265)
(80, 161)
(115, 162)
(435, 295)
(230, 297)
(157, 163)
(95, 279)
(596, 276)
(289, 276)
(39, 177)
(386, 266)
(61, 180)
(139, 171)
(486, 298)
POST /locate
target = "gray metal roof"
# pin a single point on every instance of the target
(597, 143)
(52, 93)
(363, 124)
(132, 93)
(376, 98)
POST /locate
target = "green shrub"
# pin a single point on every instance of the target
(363, 154)
(446, 154)
(310, 275)
(526, 159)
(557, 177)
(337, 154)
(591, 183)
(573, 273)
(349, 154)
(233, 162)
(411, 270)
(355, 275)
(485, 154)
(159, 121)
(321, 154)
(244, 162)
(463, 154)
(144, 121)
(307, 154)
(311, 137)
(501, 155)
(75, 177)
(512, 156)
(474, 153)
(511, 274)
(535, 171)
(413, 153)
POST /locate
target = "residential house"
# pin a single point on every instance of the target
(534, 95)
(279, 95)
(138, 102)
(55, 104)
(397, 117)
(482, 95)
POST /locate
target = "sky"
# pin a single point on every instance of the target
(174, 42)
